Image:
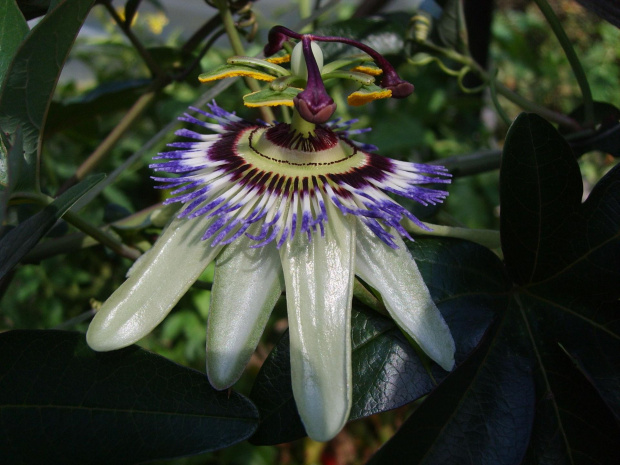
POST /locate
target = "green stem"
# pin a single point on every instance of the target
(486, 237)
(153, 66)
(572, 57)
(546, 113)
(367, 298)
(498, 105)
(102, 236)
(68, 244)
(235, 42)
(472, 163)
(504, 91)
(108, 143)
(305, 9)
(99, 235)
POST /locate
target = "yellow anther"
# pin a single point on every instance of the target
(373, 71)
(237, 72)
(278, 60)
(360, 98)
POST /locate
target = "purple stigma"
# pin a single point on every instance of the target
(314, 103)
(276, 38)
(391, 80)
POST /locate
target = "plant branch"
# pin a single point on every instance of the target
(486, 237)
(100, 235)
(504, 91)
(572, 57)
(471, 163)
(108, 143)
(152, 65)
(235, 42)
(198, 36)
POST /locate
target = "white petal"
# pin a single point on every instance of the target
(246, 287)
(394, 273)
(319, 288)
(176, 260)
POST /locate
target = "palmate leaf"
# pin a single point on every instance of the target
(61, 402)
(540, 188)
(572, 410)
(560, 334)
(469, 287)
(549, 238)
(31, 78)
(482, 413)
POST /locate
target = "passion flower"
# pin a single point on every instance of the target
(299, 207)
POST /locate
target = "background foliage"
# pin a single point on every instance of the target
(525, 271)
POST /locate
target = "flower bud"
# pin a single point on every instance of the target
(298, 62)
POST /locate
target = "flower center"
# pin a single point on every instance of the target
(285, 136)
(292, 151)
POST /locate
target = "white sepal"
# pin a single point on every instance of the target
(163, 276)
(246, 287)
(394, 273)
(319, 288)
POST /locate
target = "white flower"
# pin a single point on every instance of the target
(278, 211)
(298, 207)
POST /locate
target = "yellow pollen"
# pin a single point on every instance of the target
(278, 60)
(368, 70)
(358, 98)
(238, 72)
(267, 103)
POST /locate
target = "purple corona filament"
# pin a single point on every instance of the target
(244, 191)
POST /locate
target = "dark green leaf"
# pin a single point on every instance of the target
(21, 239)
(574, 423)
(31, 77)
(540, 190)
(549, 238)
(60, 402)
(272, 394)
(565, 256)
(595, 353)
(592, 254)
(451, 26)
(606, 136)
(468, 284)
(13, 28)
(482, 413)
(107, 98)
(547, 390)
(383, 33)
